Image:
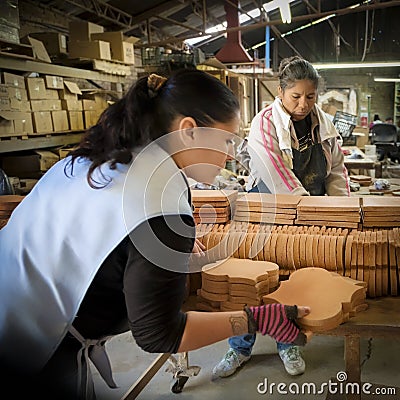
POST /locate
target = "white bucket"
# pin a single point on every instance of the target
(370, 151)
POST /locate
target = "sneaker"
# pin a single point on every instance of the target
(292, 360)
(229, 364)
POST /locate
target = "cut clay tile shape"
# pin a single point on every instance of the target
(308, 286)
(205, 196)
(326, 203)
(236, 270)
(269, 200)
(385, 204)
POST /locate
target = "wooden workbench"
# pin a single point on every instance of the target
(380, 320)
(361, 163)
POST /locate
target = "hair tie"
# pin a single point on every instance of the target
(155, 83)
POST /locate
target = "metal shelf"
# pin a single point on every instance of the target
(18, 64)
(7, 146)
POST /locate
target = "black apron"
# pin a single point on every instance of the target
(309, 166)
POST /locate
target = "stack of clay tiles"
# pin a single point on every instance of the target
(337, 211)
(232, 283)
(7, 206)
(213, 206)
(333, 298)
(380, 212)
(266, 208)
(371, 255)
(291, 247)
(374, 257)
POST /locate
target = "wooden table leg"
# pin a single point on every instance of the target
(352, 362)
(145, 378)
(378, 170)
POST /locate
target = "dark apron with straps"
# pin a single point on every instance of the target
(309, 166)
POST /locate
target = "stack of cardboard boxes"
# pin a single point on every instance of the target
(45, 104)
(88, 40)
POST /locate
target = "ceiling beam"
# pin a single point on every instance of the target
(172, 21)
(168, 6)
(333, 27)
(279, 36)
(337, 12)
(105, 11)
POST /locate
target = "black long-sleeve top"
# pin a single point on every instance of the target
(141, 286)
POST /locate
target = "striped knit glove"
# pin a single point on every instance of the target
(276, 320)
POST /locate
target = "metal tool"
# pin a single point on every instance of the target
(179, 366)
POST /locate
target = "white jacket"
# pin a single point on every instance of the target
(58, 237)
(272, 162)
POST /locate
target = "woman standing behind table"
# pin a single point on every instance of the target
(294, 149)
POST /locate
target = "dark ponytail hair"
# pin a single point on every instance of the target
(294, 69)
(145, 114)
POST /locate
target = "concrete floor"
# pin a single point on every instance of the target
(323, 355)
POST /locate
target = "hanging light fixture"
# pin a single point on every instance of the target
(284, 8)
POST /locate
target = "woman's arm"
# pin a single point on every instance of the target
(266, 161)
(154, 287)
(336, 182)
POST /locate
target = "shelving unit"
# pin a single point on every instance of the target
(11, 63)
(18, 64)
(41, 142)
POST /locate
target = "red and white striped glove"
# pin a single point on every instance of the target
(277, 321)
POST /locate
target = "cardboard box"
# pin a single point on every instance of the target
(60, 121)
(55, 43)
(39, 51)
(6, 124)
(51, 94)
(54, 82)
(18, 93)
(64, 151)
(42, 122)
(329, 109)
(88, 105)
(82, 30)
(98, 98)
(4, 90)
(66, 95)
(36, 88)
(91, 118)
(71, 88)
(5, 103)
(46, 105)
(13, 80)
(31, 165)
(362, 136)
(23, 124)
(18, 99)
(97, 49)
(121, 46)
(71, 105)
(20, 105)
(4, 98)
(75, 119)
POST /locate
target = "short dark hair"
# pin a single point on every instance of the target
(143, 115)
(294, 69)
